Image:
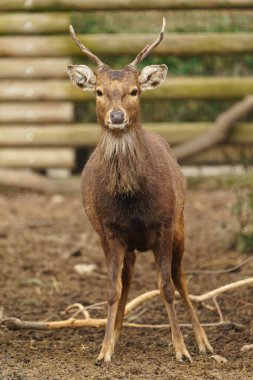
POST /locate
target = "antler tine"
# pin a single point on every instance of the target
(148, 49)
(86, 51)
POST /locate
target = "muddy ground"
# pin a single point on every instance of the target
(42, 238)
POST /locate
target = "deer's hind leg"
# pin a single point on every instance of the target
(179, 280)
(127, 272)
(163, 258)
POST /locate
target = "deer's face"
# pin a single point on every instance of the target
(117, 91)
(117, 97)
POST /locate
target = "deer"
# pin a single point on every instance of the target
(133, 193)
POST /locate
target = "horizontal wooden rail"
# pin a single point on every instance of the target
(191, 21)
(78, 135)
(41, 158)
(33, 67)
(61, 112)
(129, 44)
(37, 158)
(121, 4)
(173, 88)
(29, 23)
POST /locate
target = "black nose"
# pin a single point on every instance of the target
(117, 117)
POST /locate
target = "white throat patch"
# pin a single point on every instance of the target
(122, 162)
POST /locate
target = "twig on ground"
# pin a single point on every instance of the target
(15, 323)
(98, 305)
(78, 308)
(131, 317)
(219, 271)
(218, 309)
(208, 306)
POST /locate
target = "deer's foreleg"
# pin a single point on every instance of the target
(163, 258)
(114, 255)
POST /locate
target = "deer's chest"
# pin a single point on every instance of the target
(136, 221)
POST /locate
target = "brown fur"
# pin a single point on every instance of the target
(133, 192)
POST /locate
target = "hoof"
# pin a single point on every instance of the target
(203, 344)
(99, 362)
(103, 359)
(184, 356)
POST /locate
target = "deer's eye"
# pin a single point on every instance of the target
(134, 92)
(99, 93)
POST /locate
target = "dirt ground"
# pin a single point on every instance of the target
(42, 238)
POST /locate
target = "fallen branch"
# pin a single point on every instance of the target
(222, 289)
(17, 324)
(218, 133)
(203, 297)
(24, 179)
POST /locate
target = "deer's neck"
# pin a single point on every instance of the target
(123, 161)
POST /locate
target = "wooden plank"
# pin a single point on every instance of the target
(37, 158)
(129, 44)
(65, 158)
(176, 133)
(189, 21)
(78, 135)
(172, 88)
(121, 4)
(50, 135)
(203, 88)
(32, 23)
(61, 112)
(223, 154)
(34, 67)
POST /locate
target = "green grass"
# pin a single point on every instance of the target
(188, 21)
(215, 65)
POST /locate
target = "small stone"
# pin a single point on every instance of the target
(57, 199)
(85, 268)
(219, 359)
(247, 347)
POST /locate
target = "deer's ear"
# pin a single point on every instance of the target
(82, 77)
(152, 76)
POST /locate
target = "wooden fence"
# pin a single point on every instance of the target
(37, 117)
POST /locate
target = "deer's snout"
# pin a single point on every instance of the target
(117, 117)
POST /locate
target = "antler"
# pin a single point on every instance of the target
(148, 49)
(86, 51)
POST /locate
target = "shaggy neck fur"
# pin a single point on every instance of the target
(122, 161)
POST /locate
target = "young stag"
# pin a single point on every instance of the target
(133, 193)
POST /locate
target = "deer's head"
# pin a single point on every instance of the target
(117, 91)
